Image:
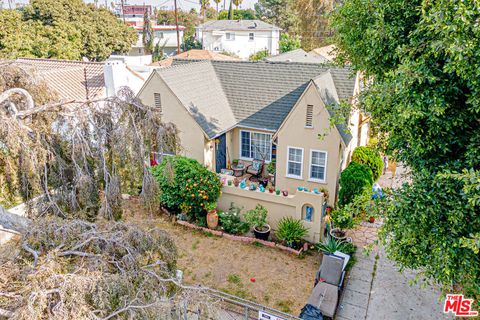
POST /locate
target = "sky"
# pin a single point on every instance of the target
(183, 4)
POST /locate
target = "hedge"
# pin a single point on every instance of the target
(353, 181)
(371, 158)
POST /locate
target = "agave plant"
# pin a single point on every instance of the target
(329, 245)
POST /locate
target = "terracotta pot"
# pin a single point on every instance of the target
(212, 219)
(371, 219)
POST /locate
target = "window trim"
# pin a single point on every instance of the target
(310, 167)
(230, 34)
(250, 133)
(292, 176)
(251, 36)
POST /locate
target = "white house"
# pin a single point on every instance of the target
(166, 35)
(240, 37)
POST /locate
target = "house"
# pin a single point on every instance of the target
(166, 35)
(240, 37)
(326, 52)
(298, 55)
(132, 12)
(227, 110)
(194, 54)
(82, 80)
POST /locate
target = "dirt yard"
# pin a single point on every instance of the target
(265, 275)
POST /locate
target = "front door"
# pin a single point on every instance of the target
(221, 153)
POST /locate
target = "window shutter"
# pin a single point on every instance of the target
(309, 118)
(158, 101)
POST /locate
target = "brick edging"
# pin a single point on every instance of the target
(240, 238)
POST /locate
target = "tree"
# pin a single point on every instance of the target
(248, 14)
(147, 38)
(237, 3)
(424, 100)
(289, 43)
(217, 2)
(63, 29)
(313, 24)
(101, 146)
(204, 4)
(259, 55)
(354, 180)
(277, 12)
(230, 11)
(187, 19)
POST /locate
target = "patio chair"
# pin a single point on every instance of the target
(328, 284)
(256, 168)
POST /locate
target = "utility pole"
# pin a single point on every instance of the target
(176, 27)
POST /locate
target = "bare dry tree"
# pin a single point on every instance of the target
(69, 150)
(76, 158)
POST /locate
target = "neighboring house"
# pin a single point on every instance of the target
(240, 37)
(164, 34)
(298, 55)
(131, 12)
(80, 80)
(228, 110)
(194, 54)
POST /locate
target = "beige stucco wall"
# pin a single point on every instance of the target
(192, 138)
(277, 206)
(293, 133)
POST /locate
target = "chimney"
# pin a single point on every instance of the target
(115, 74)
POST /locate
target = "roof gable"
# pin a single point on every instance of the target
(250, 94)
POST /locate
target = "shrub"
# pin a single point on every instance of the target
(371, 158)
(291, 230)
(257, 217)
(353, 180)
(231, 222)
(342, 218)
(329, 245)
(185, 182)
(259, 55)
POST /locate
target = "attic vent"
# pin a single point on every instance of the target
(309, 117)
(158, 100)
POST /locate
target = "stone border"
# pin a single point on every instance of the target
(240, 238)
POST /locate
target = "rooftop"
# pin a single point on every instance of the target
(233, 25)
(298, 55)
(72, 80)
(224, 94)
(195, 54)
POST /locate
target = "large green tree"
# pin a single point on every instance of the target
(67, 29)
(277, 12)
(424, 99)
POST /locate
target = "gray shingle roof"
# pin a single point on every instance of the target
(237, 25)
(251, 94)
(298, 55)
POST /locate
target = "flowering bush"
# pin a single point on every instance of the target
(186, 185)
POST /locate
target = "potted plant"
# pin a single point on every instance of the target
(342, 220)
(212, 216)
(257, 218)
(325, 193)
(271, 168)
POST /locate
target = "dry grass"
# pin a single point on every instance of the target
(282, 281)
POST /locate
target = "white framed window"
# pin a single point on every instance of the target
(230, 36)
(251, 36)
(309, 117)
(294, 162)
(318, 166)
(255, 145)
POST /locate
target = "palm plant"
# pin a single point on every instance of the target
(291, 230)
(217, 3)
(237, 3)
(329, 245)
